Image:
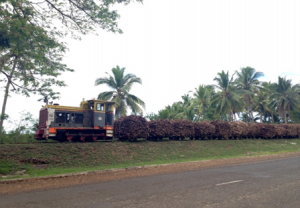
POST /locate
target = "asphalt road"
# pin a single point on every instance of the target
(263, 184)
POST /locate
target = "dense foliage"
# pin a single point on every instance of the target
(238, 97)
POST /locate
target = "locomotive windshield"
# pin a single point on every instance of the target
(100, 107)
(108, 108)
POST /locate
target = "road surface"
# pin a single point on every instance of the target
(274, 183)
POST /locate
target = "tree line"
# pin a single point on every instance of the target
(240, 96)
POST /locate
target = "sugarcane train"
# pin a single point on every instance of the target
(92, 121)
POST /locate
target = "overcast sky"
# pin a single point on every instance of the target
(174, 46)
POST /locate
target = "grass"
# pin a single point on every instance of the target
(6, 167)
(17, 138)
(40, 159)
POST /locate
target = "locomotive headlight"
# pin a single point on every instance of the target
(110, 131)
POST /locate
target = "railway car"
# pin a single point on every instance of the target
(92, 121)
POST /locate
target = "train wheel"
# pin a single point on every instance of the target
(89, 139)
(61, 137)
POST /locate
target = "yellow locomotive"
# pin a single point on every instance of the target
(92, 121)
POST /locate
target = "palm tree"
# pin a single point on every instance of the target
(165, 113)
(266, 91)
(179, 110)
(228, 99)
(296, 115)
(187, 113)
(285, 97)
(121, 84)
(201, 102)
(151, 116)
(247, 79)
(261, 103)
(170, 111)
(186, 100)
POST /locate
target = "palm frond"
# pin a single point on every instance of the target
(118, 76)
(136, 100)
(135, 108)
(107, 81)
(106, 95)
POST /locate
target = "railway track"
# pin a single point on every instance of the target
(70, 142)
(45, 142)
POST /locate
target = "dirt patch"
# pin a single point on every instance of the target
(34, 161)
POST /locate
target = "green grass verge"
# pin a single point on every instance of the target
(17, 138)
(42, 159)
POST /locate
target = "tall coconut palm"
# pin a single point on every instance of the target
(187, 113)
(179, 110)
(186, 100)
(261, 103)
(267, 90)
(228, 98)
(202, 101)
(171, 111)
(166, 113)
(121, 84)
(186, 109)
(285, 97)
(247, 79)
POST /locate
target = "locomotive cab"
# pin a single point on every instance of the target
(102, 113)
(109, 114)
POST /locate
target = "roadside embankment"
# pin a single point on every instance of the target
(41, 159)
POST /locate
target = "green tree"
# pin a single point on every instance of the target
(202, 102)
(187, 113)
(23, 128)
(247, 80)
(121, 84)
(295, 114)
(179, 110)
(186, 100)
(261, 105)
(151, 116)
(170, 111)
(164, 114)
(184, 109)
(32, 62)
(228, 99)
(285, 97)
(268, 111)
(75, 17)
(25, 125)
